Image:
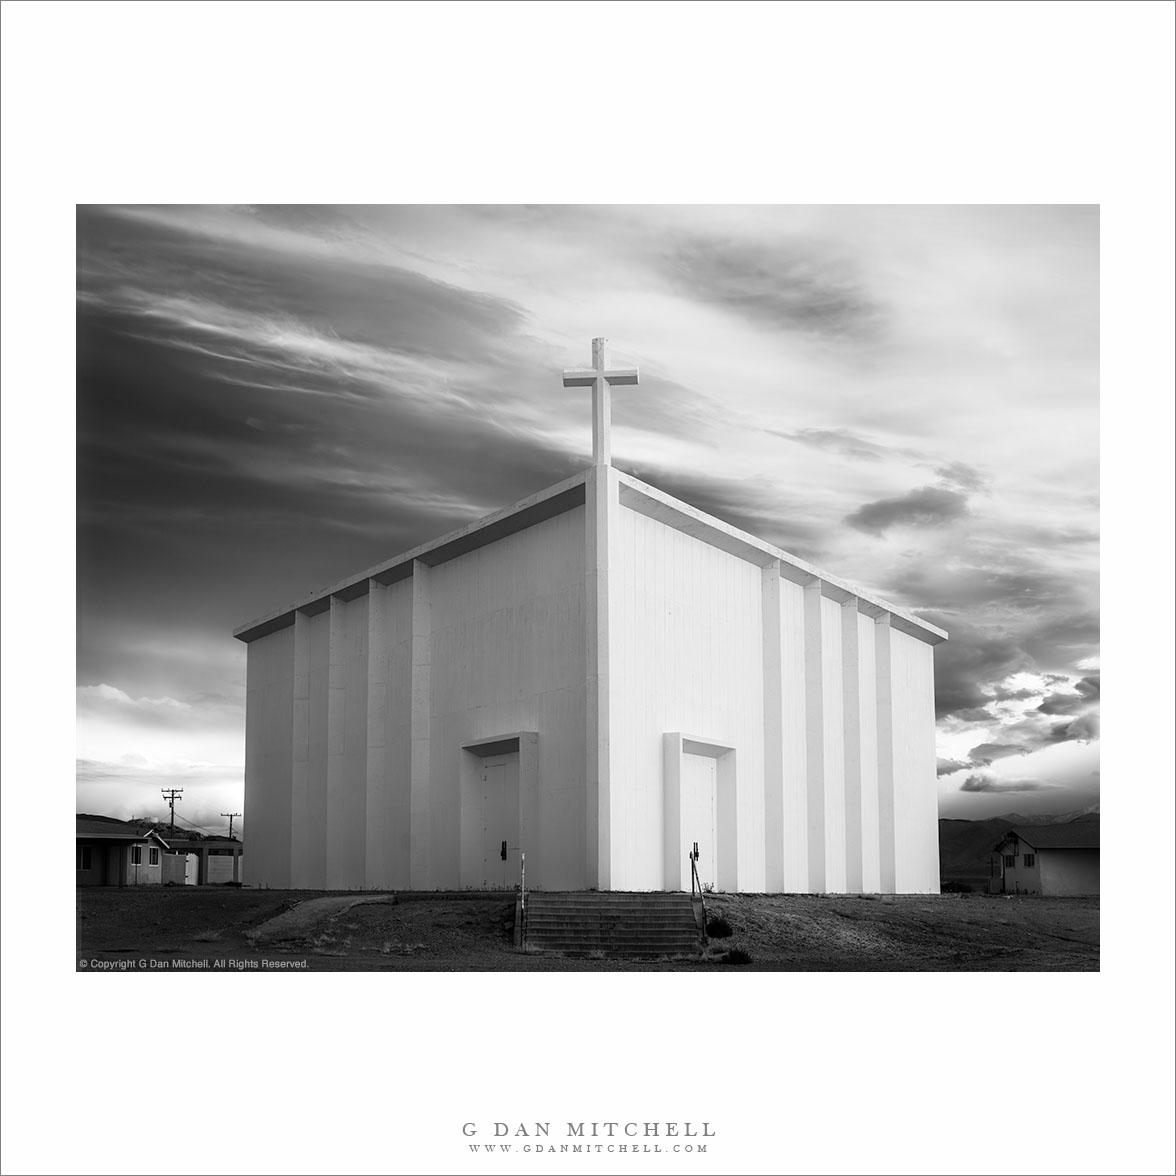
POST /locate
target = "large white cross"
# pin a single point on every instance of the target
(598, 378)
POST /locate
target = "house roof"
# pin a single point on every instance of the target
(92, 828)
(1071, 835)
(568, 495)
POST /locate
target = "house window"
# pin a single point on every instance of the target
(1010, 860)
(1029, 860)
(136, 855)
(85, 857)
(153, 857)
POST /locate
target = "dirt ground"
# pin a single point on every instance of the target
(218, 928)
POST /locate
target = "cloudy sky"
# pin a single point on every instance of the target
(270, 398)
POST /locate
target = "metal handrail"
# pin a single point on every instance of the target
(695, 880)
(523, 900)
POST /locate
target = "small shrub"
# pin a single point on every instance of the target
(718, 928)
(736, 956)
(954, 887)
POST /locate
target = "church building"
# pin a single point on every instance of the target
(602, 678)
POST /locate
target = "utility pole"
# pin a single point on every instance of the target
(170, 794)
(230, 816)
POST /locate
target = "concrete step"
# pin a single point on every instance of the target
(620, 933)
(572, 948)
(627, 912)
(610, 895)
(592, 896)
(613, 923)
(632, 917)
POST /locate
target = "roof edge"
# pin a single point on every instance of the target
(566, 495)
(690, 520)
(547, 503)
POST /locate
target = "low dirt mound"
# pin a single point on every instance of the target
(305, 918)
(387, 924)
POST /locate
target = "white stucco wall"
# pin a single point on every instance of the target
(793, 737)
(916, 806)
(686, 630)
(309, 815)
(269, 758)
(508, 654)
(389, 738)
(338, 711)
(833, 709)
(347, 719)
(871, 881)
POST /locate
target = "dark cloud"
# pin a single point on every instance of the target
(927, 506)
(969, 664)
(1080, 730)
(1018, 591)
(790, 287)
(1088, 690)
(946, 767)
(975, 714)
(840, 441)
(965, 477)
(1028, 735)
(983, 782)
(1065, 638)
(984, 754)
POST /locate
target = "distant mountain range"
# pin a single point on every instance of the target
(965, 847)
(1045, 819)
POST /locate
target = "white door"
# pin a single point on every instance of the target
(699, 777)
(500, 821)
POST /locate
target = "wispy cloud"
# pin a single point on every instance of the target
(843, 442)
(790, 285)
(981, 782)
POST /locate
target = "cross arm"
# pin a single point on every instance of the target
(621, 376)
(579, 377)
(586, 377)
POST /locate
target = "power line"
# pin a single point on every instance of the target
(201, 828)
(230, 816)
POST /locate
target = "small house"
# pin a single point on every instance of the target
(1048, 859)
(117, 853)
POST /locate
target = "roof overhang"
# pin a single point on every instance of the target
(567, 495)
(555, 500)
(121, 835)
(672, 512)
